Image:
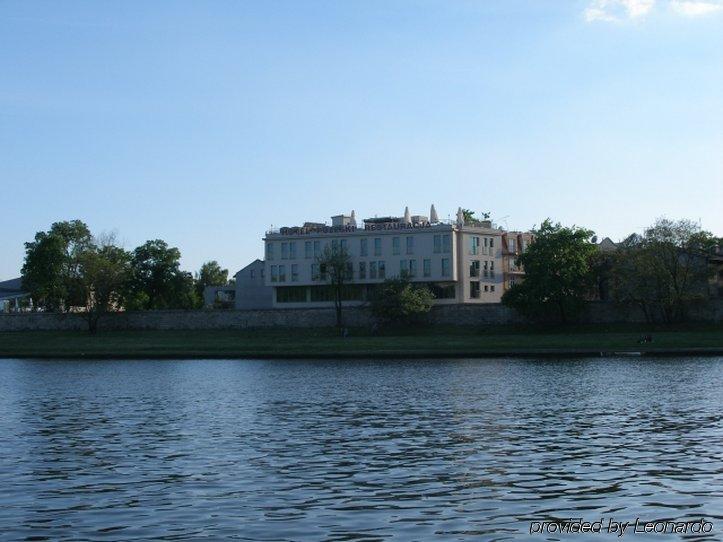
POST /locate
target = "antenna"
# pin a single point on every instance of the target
(504, 218)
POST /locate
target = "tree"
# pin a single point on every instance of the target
(336, 267)
(397, 300)
(51, 268)
(104, 274)
(470, 219)
(558, 275)
(210, 274)
(157, 281)
(664, 271)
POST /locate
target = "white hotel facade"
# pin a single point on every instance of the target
(460, 263)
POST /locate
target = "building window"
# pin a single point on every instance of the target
(372, 270)
(395, 245)
(252, 273)
(291, 294)
(511, 245)
(364, 247)
(410, 245)
(492, 242)
(315, 273)
(443, 291)
(382, 269)
(427, 268)
(282, 273)
(343, 245)
(292, 251)
(362, 270)
(308, 250)
(445, 267)
(377, 246)
(437, 244)
(474, 245)
(274, 273)
(408, 267)
(284, 251)
(492, 288)
(335, 244)
(446, 243)
(487, 288)
(474, 268)
(294, 272)
(474, 289)
(492, 268)
(317, 249)
(485, 270)
(269, 251)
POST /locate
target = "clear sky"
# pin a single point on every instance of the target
(203, 123)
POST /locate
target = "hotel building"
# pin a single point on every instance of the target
(460, 263)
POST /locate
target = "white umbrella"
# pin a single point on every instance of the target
(433, 215)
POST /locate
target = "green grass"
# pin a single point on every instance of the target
(440, 342)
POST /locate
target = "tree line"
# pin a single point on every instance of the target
(67, 269)
(664, 272)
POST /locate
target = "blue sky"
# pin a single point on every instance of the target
(203, 123)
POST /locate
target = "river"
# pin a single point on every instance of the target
(356, 450)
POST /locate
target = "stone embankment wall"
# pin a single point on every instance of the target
(464, 315)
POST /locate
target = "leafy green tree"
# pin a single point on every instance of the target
(470, 219)
(104, 275)
(210, 274)
(558, 274)
(157, 281)
(399, 301)
(336, 268)
(51, 268)
(664, 271)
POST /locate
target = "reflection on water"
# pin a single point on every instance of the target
(354, 450)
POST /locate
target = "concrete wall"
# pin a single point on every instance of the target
(467, 315)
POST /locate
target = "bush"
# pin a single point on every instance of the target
(399, 301)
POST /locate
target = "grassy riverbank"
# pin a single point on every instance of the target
(446, 342)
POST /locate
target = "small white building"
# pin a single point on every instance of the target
(12, 296)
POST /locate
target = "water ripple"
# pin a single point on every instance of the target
(351, 451)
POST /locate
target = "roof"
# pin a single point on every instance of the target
(607, 245)
(256, 262)
(12, 289)
(15, 285)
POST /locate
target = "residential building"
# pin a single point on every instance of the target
(251, 289)
(460, 263)
(246, 291)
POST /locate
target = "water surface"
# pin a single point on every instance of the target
(355, 450)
